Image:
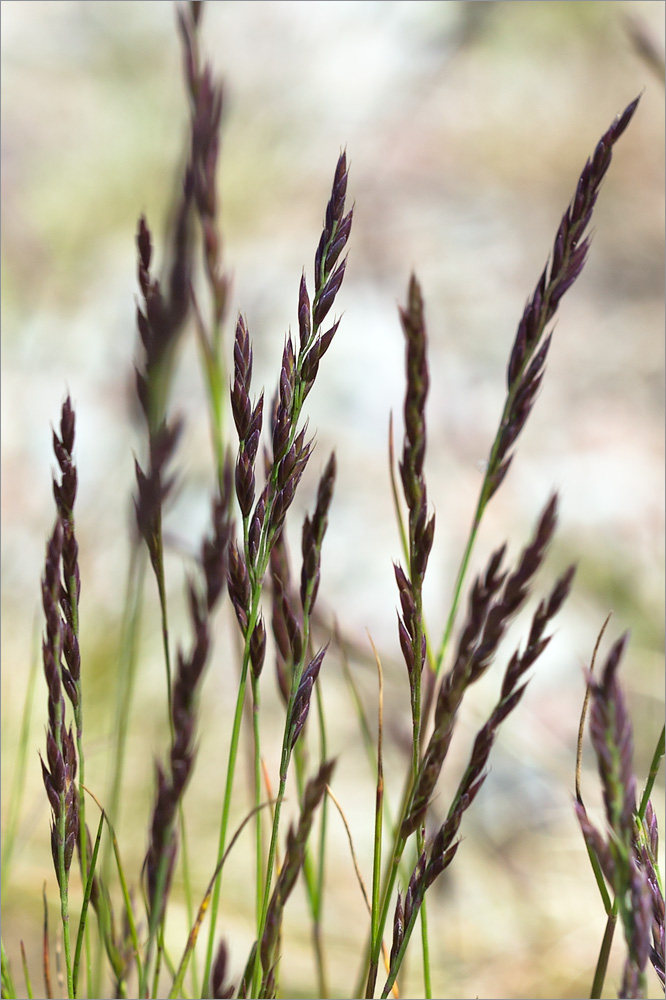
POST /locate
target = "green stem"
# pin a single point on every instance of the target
(314, 879)
(604, 955)
(427, 983)
(257, 799)
(88, 884)
(284, 769)
(286, 745)
(187, 884)
(154, 926)
(318, 902)
(460, 579)
(399, 958)
(387, 892)
(233, 753)
(272, 850)
(654, 770)
(256, 576)
(375, 927)
(127, 900)
(226, 807)
(133, 606)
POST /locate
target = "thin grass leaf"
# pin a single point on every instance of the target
(583, 713)
(605, 950)
(375, 930)
(127, 899)
(8, 990)
(46, 951)
(652, 773)
(179, 975)
(86, 898)
(352, 850)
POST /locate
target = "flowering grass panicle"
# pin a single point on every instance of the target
(625, 853)
(282, 810)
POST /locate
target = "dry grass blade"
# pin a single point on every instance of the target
(357, 869)
(583, 713)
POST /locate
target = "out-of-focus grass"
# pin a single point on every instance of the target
(466, 126)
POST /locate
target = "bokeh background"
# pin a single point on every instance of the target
(466, 126)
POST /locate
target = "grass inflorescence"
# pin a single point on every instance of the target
(118, 938)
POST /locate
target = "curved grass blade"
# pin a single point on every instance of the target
(203, 908)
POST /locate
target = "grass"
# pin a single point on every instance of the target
(115, 933)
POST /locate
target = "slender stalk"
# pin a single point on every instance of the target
(460, 580)
(26, 973)
(226, 809)
(134, 937)
(316, 895)
(164, 616)
(86, 897)
(125, 684)
(154, 924)
(425, 948)
(315, 876)
(303, 679)
(652, 774)
(604, 955)
(187, 883)
(375, 930)
(259, 845)
(386, 895)
(285, 757)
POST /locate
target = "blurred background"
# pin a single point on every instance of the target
(466, 125)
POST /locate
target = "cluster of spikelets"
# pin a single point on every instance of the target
(247, 557)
